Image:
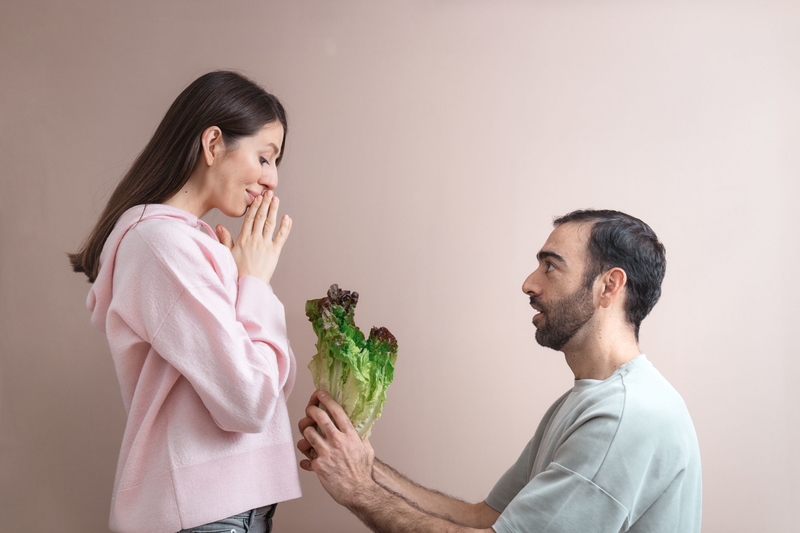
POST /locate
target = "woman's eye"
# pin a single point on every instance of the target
(263, 160)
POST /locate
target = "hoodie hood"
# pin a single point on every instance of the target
(101, 293)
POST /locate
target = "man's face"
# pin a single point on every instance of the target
(557, 288)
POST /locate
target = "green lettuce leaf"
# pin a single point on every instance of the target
(354, 370)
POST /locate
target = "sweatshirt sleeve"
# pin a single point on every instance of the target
(263, 324)
(226, 337)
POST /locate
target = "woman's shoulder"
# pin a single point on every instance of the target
(172, 231)
(180, 247)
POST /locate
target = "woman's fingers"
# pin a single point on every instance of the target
(271, 214)
(283, 231)
(262, 213)
(250, 217)
(266, 218)
(272, 219)
(256, 251)
(224, 236)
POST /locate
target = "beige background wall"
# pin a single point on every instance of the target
(431, 143)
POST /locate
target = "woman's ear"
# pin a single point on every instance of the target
(213, 144)
(613, 281)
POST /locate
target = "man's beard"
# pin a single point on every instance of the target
(564, 318)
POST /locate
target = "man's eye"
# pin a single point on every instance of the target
(550, 266)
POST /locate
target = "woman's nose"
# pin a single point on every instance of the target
(269, 179)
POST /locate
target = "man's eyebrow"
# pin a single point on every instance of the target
(545, 254)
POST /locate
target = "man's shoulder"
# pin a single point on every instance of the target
(655, 414)
(648, 393)
(637, 404)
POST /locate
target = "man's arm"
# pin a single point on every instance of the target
(431, 501)
(384, 512)
(345, 467)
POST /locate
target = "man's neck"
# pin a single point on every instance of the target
(597, 355)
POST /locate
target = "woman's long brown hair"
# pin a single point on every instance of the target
(228, 100)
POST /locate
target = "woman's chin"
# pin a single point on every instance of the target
(234, 213)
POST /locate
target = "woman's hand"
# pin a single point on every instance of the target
(256, 251)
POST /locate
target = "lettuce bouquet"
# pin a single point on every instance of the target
(354, 370)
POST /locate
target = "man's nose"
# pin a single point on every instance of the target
(529, 286)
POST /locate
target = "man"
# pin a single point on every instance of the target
(618, 452)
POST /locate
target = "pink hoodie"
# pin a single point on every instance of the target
(205, 367)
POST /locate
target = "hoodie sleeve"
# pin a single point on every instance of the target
(227, 337)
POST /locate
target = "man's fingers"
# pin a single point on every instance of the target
(304, 423)
(318, 428)
(336, 412)
(316, 442)
(305, 447)
(310, 434)
(324, 425)
(313, 400)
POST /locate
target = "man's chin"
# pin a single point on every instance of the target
(547, 342)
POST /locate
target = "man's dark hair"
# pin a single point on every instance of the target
(621, 241)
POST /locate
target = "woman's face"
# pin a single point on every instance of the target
(245, 170)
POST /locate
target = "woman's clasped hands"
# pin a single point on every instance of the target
(258, 247)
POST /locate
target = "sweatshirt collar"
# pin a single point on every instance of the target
(637, 362)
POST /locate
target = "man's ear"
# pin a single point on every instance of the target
(613, 282)
(213, 144)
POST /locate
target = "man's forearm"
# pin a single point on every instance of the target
(433, 502)
(383, 499)
(385, 512)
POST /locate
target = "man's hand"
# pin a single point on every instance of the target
(341, 460)
(344, 465)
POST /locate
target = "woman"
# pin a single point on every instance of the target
(197, 335)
